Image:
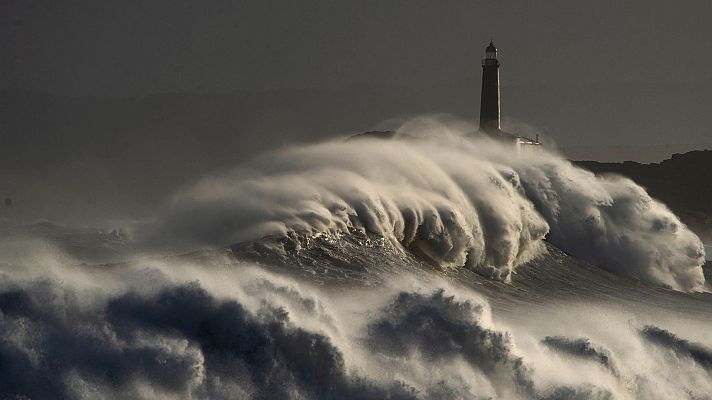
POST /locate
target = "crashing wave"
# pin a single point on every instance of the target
(181, 329)
(454, 201)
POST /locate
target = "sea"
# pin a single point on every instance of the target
(447, 269)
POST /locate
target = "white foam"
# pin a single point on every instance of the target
(457, 200)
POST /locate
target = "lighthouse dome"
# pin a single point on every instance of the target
(491, 52)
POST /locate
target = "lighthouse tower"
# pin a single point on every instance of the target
(490, 103)
(489, 100)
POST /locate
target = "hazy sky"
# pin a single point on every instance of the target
(139, 47)
(107, 106)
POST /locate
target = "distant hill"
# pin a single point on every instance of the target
(683, 182)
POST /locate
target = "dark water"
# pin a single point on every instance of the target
(336, 317)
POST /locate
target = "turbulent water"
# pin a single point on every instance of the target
(420, 269)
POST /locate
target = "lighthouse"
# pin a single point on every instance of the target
(490, 102)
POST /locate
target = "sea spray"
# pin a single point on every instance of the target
(216, 329)
(456, 201)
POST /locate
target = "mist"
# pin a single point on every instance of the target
(456, 200)
(176, 329)
(433, 265)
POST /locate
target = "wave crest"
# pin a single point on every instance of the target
(455, 201)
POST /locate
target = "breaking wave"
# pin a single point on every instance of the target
(361, 269)
(582, 348)
(185, 330)
(699, 353)
(455, 201)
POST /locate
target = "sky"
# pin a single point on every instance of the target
(108, 105)
(143, 47)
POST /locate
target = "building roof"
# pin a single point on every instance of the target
(506, 136)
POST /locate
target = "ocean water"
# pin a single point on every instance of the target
(449, 269)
